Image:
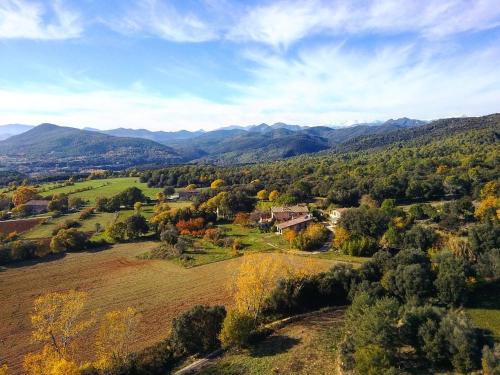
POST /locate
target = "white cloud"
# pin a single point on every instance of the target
(325, 85)
(285, 22)
(163, 20)
(28, 20)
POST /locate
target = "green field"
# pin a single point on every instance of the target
(102, 188)
(484, 308)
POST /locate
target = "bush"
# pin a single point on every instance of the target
(237, 329)
(313, 237)
(86, 213)
(197, 330)
(362, 246)
(67, 224)
(373, 360)
(68, 240)
(117, 231)
(169, 235)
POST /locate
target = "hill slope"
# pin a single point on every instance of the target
(9, 130)
(49, 144)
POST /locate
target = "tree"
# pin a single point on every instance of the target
(197, 330)
(137, 207)
(75, 202)
(117, 231)
(263, 195)
(487, 206)
(237, 328)
(450, 281)
(59, 203)
(23, 194)
(191, 187)
(169, 190)
(217, 183)
(49, 362)
(57, 319)
(273, 195)
(67, 240)
(131, 195)
(114, 336)
(136, 225)
(341, 235)
(256, 278)
(419, 237)
(289, 235)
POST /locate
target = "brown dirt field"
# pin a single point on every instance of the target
(19, 226)
(114, 279)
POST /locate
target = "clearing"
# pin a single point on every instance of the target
(114, 279)
(307, 346)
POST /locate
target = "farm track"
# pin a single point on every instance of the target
(114, 279)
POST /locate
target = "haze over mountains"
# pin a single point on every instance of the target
(51, 147)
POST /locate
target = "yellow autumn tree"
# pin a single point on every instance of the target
(191, 187)
(341, 235)
(114, 336)
(273, 195)
(3, 370)
(489, 202)
(23, 194)
(256, 278)
(263, 195)
(57, 319)
(49, 362)
(217, 183)
(490, 188)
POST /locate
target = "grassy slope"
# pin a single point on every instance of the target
(307, 346)
(104, 188)
(114, 279)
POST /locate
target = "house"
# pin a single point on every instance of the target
(336, 214)
(296, 224)
(188, 194)
(285, 213)
(37, 206)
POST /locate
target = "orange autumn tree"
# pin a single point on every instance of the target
(194, 227)
(23, 194)
(289, 235)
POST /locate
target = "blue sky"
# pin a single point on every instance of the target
(170, 65)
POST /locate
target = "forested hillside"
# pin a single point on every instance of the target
(447, 157)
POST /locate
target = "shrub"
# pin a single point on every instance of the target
(169, 235)
(197, 330)
(372, 360)
(359, 246)
(237, 329)
(68, 240)
(117, 231)
(67, 224)
(313, 237)
(451, 280)
(136, 225)
(86, 213)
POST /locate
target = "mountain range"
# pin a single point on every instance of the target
(51, 147)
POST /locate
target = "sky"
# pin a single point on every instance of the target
(171, 65)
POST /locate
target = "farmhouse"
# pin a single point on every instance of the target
(37, 206)
(296, 224)
(286, 213)
(336, 214)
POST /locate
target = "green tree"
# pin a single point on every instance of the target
(197, 330)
